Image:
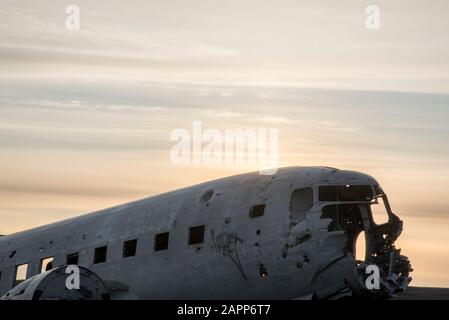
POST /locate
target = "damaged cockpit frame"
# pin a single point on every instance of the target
(349, 209)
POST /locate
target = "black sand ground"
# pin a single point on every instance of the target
(423, 293)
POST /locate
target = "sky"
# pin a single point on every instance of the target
(86, 114)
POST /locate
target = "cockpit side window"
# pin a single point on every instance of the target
(346, 217)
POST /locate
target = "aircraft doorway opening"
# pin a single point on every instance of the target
(360, 247)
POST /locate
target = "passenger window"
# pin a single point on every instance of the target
(161, 241)
(301, 201)
(46, 264)
(129, 248)
(100, 254)
(20, 273)
(196, 235)
(72, 258)
(257, 210)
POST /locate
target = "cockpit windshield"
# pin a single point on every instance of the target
(370, 194)
(346, 193)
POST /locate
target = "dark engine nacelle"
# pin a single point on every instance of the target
(52, 285)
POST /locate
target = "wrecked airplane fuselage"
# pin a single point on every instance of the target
(289, 235)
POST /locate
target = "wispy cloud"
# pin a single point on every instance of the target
(29, 27)
(178, 42)
(84, 105)
(323, 124)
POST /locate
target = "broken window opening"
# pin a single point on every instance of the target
(20, 273)
(301, 201)
(100, 254)
(257, 210)
(380, 207)
(46, 264)
(379, 211)
(129, 248)
(72, 258)
(161, 241)
(345, 217)
(346, 193)
(196, 235)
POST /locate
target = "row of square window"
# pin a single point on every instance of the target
(196, 236)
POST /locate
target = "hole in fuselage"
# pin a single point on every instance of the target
(206, 196)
